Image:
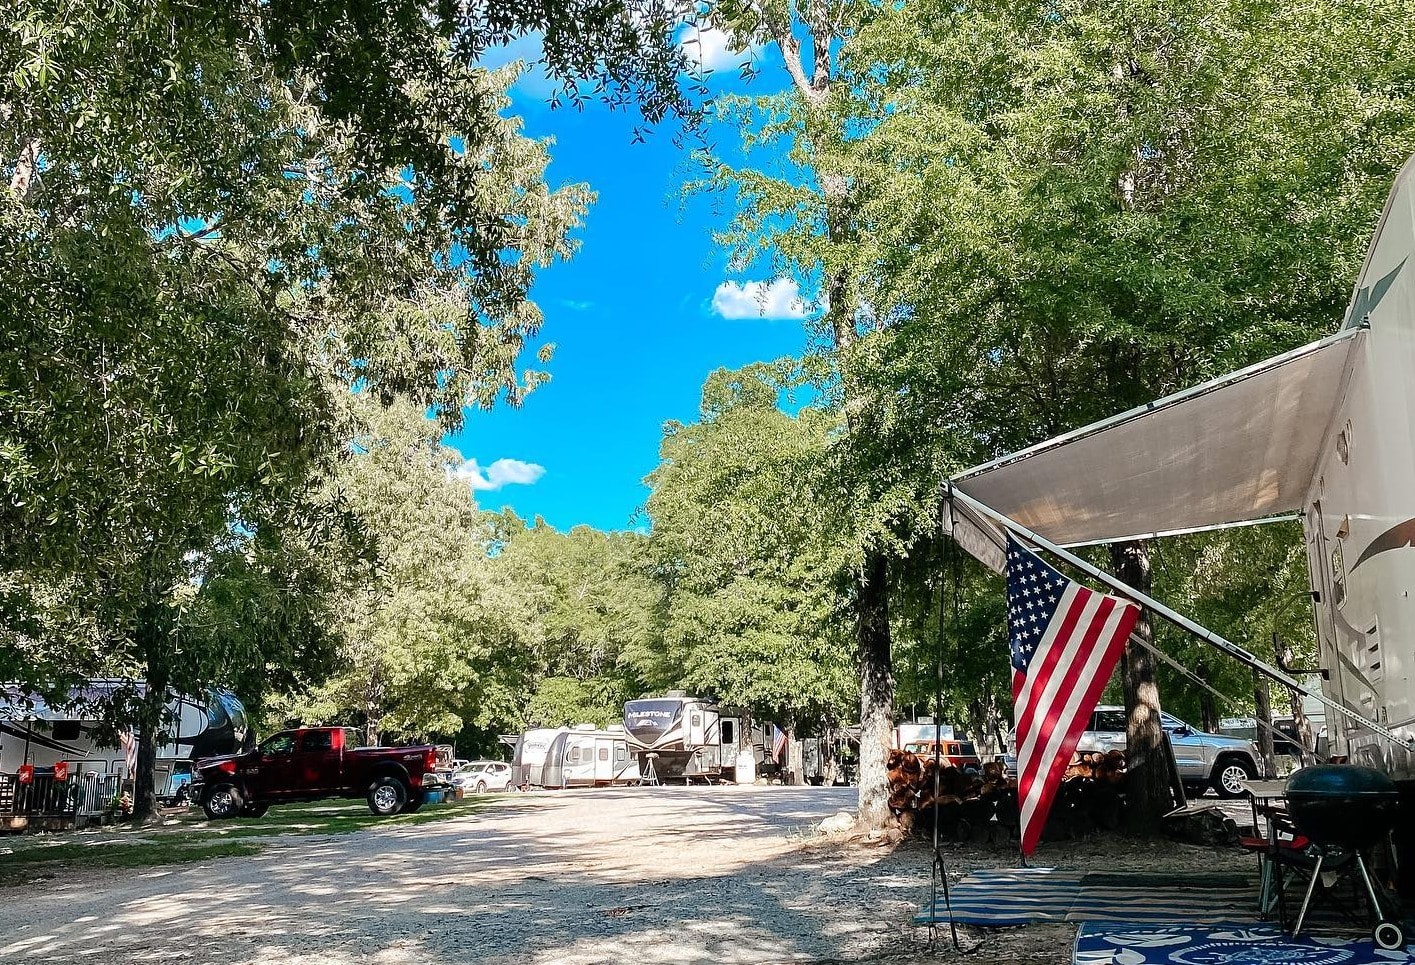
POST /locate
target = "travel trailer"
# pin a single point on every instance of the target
(585, 756)
(528, 760)
(681, 738)
(35, 732)
(1324, 433)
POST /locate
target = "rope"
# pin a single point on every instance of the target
(938, 873)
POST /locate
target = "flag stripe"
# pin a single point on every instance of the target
(1073, 717)
(1040, 677)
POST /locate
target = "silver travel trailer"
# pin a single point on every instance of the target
(528, 761)
(35, 732)
(585, 756)
(681, 738)
(1324, 433)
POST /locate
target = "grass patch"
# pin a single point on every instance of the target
(47, 861)
(325, 818)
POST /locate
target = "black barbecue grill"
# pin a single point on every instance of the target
(1346, 810)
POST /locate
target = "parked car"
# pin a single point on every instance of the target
(312, 763)
(1205, 760)
(481, 776)
(960, 754)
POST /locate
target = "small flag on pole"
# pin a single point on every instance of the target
(130, 751)
(778, 743)
(1065, 641)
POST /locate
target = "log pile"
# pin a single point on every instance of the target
(982, 807)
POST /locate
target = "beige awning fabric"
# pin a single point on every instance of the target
(1239, 448)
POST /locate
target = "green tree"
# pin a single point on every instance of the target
(589, 604)
(750, 571)
(433, 640)
(1067, 210)
(220, 217)
(799, 206)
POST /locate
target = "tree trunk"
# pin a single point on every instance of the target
(1208, 708)
(1148, 791)
(876, 690)
(151, 710)
(1263, 714)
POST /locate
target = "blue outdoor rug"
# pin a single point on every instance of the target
(1236, 944)
(1000, 897)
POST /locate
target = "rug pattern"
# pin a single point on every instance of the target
(1017, 896)
(1098, 943)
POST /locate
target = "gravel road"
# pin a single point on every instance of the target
(673, 875)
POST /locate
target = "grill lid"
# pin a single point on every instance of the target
(1339, 781)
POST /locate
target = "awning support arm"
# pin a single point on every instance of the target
(951, 492)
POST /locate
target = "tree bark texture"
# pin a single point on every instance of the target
(1263, 712)
(876, 690)
(1148, 781)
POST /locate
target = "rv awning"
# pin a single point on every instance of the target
(1240, 448)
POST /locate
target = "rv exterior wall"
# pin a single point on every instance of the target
(1360, 519)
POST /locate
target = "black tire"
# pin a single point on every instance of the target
(387, 796)
(1228, 772)
(222, 802)
(481, 787)
(413, 806)
(1388, 935)
(255, 810)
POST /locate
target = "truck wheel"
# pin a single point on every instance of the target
(254, 810)
(387, 796)
(1229, 775)
(222, 801)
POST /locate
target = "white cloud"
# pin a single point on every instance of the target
(759, 299)
(710, 49)
(502, 472)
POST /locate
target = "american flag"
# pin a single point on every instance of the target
(130, 751)
(778, 743)
(1065, 641)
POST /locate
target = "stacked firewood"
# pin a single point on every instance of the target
(983, 806)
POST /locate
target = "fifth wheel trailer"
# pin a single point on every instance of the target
(35, 732)
(681, 737)
(1324, 433)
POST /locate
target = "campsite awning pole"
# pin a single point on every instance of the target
(1208, 636)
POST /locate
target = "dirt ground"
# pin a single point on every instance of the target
(670, 875)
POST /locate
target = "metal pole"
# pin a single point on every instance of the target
(1203, 633)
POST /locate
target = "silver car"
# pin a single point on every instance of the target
(1205, 760)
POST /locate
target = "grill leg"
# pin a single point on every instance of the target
(1311, 886)
(1370, 889)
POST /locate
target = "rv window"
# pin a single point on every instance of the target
(574, 756)
(66, 730)
(621, 753)
(729, 733)
(697, 720)
(604, 753)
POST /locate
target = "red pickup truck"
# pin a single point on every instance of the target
(312, 763)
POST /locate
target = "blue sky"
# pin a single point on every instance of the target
(638, 319)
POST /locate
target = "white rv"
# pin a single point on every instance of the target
(35, 732)
(585, 756)
(528, 761)
(1324, 433)
(681, 737)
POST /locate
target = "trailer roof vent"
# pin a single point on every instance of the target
(584, 727)
(676, 693)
